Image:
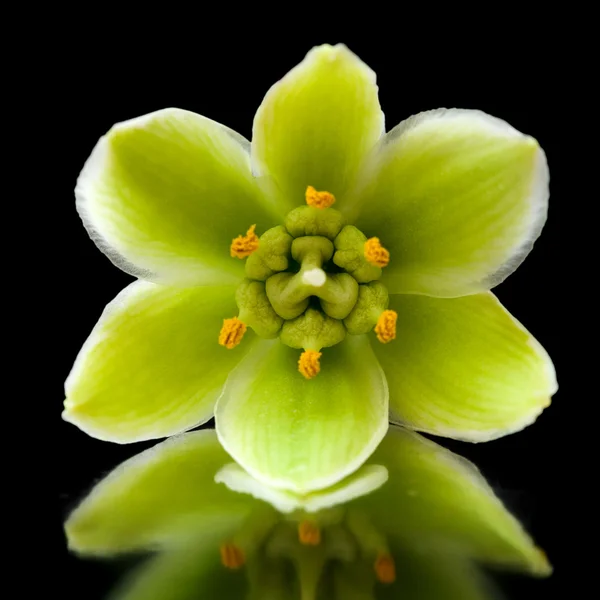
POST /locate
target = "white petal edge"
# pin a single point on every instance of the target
(364, 481)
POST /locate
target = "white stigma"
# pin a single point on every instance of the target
(314, 277)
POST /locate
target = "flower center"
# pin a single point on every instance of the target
(314, 545)
(310, 282)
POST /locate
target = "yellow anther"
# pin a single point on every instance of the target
(318, 199)
(309, 533)
(385, 569)
(308, 364)
(232, 556)
(386, 326)
(232, 332)
(375, 253)
(244, 245)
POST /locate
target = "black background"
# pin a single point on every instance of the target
(224, 76)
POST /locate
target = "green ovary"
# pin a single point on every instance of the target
(309, 282)
(310, 545)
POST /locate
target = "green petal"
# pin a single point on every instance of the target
(152, 366)
(440, 501)
(363, 481)
(191, 573)
(315, 125)
(162, 497)
(458, 198)
(299, 434)
(464, 368)
(163, 195)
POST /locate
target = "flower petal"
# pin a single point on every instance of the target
(464, 368)
(435, 499)
(315, 125)
(189, 573)
(152, 366)
(163, 195)
(458, 198)
(435, 576)
(298, 434)
(160, 498)
(363, 481)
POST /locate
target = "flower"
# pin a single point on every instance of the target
(415, 522)
(363, 260)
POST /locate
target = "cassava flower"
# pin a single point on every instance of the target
(310, 280)
(413, 523)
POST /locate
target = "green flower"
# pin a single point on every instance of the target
(415, 522)
(427, 218)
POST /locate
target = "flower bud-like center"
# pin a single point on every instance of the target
(311, 281)
(314, 546)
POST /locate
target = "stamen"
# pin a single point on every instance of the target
(232, 332)
(308, 364)
(318, 199)
(232, 556)
(385, 569)
(375, 253)
(386, 326)
(309, 533)
(244, 245)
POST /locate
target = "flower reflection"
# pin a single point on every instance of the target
(415, 521)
